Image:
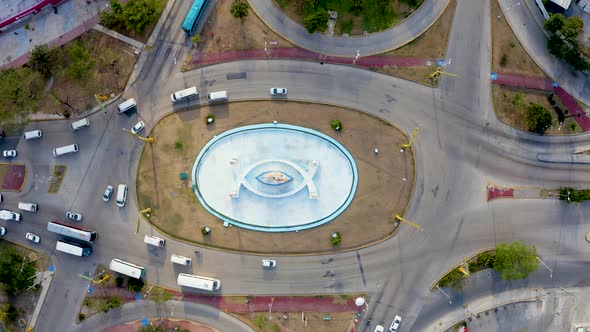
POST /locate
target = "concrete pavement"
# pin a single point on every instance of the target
(71, 19)
(171, 310)
(416, 24)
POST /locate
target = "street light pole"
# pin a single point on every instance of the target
(548, 268)
(450, 302)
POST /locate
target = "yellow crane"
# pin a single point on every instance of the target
(145, 139)
(402, 219)
(439, 71)
(409, 144)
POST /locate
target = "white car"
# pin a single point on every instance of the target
(379, 328)
(269, 263)
(138, 127)
(395, 324)
(9, 153)
(74, 216)
(33, 237)
(107, 193)
(2, 230)
(278, 91)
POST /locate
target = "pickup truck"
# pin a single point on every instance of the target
(9, 215)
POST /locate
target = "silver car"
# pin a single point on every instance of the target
(74, 216)
(107, 193)
(9, 153)
(278, 91)
(138, 127)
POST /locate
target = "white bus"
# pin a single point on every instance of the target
(73, 248)
(74, 232)
(189, 280)
(127, 268)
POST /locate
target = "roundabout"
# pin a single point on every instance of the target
(277, 187)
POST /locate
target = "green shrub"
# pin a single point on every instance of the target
(336, 125)
(210, 118)
(485, 260)
(81, 317)
(336, 239)
(135, 285)
(205, 230)
(573, 126)
(119, 281)
(317, 21)
(260, 321)
(453, 279)
(538, 118)
(239, 9)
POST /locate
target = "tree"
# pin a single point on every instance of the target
(113, 19)
(134, 284)
(42, 60)
(515, 260)
(80, 61)
(18, 94)
(14, 275)
(554, 23)
(160, 295)
(109, 303)
(119, 281)
(138, 14)
(8, 313)
(196, 39)
(572, 27)
(538, 118)
(239, 9)
(309, 7)
(316, 21)
(336, 124)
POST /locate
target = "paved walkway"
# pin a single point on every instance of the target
(545, 84)
(302, 54)
(532, 37)
(72, 19)
(374, 43)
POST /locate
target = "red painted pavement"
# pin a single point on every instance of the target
(302, 54)
(14, 178)
(545, 84)
(494, 192)
(256, 303)
(574, 108)
(523, 81)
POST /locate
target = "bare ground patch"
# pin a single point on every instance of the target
(292, 321)
(381, 192)
(431, 44)
(508, 55)
(114, 62)
(507, 109)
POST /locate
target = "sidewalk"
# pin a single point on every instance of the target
(45, 283)
(481, 305)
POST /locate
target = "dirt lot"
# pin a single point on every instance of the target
(250, 33)
(381, 190)
(431, 44)
(114, 62)
(12, 176)
(506, 45)
(507, 112)
(347, 22)
(339, 321)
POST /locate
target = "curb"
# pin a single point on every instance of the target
(456, 266)
(383, 31)
(327, 252)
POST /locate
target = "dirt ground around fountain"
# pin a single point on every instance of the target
(384, 187)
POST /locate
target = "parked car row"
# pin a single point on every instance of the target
(397, 320)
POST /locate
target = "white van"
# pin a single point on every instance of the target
(65, 149)
(121, 195)
(25, 206)
(80, 124)
(182, 94)
(154, 241)
(217, 96)
(126, 105)
(177, 259)
(33, 134)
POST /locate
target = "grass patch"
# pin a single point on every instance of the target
(59, 172)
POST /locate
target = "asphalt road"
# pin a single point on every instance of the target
(460, 148)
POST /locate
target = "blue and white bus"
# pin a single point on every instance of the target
(194, 16)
